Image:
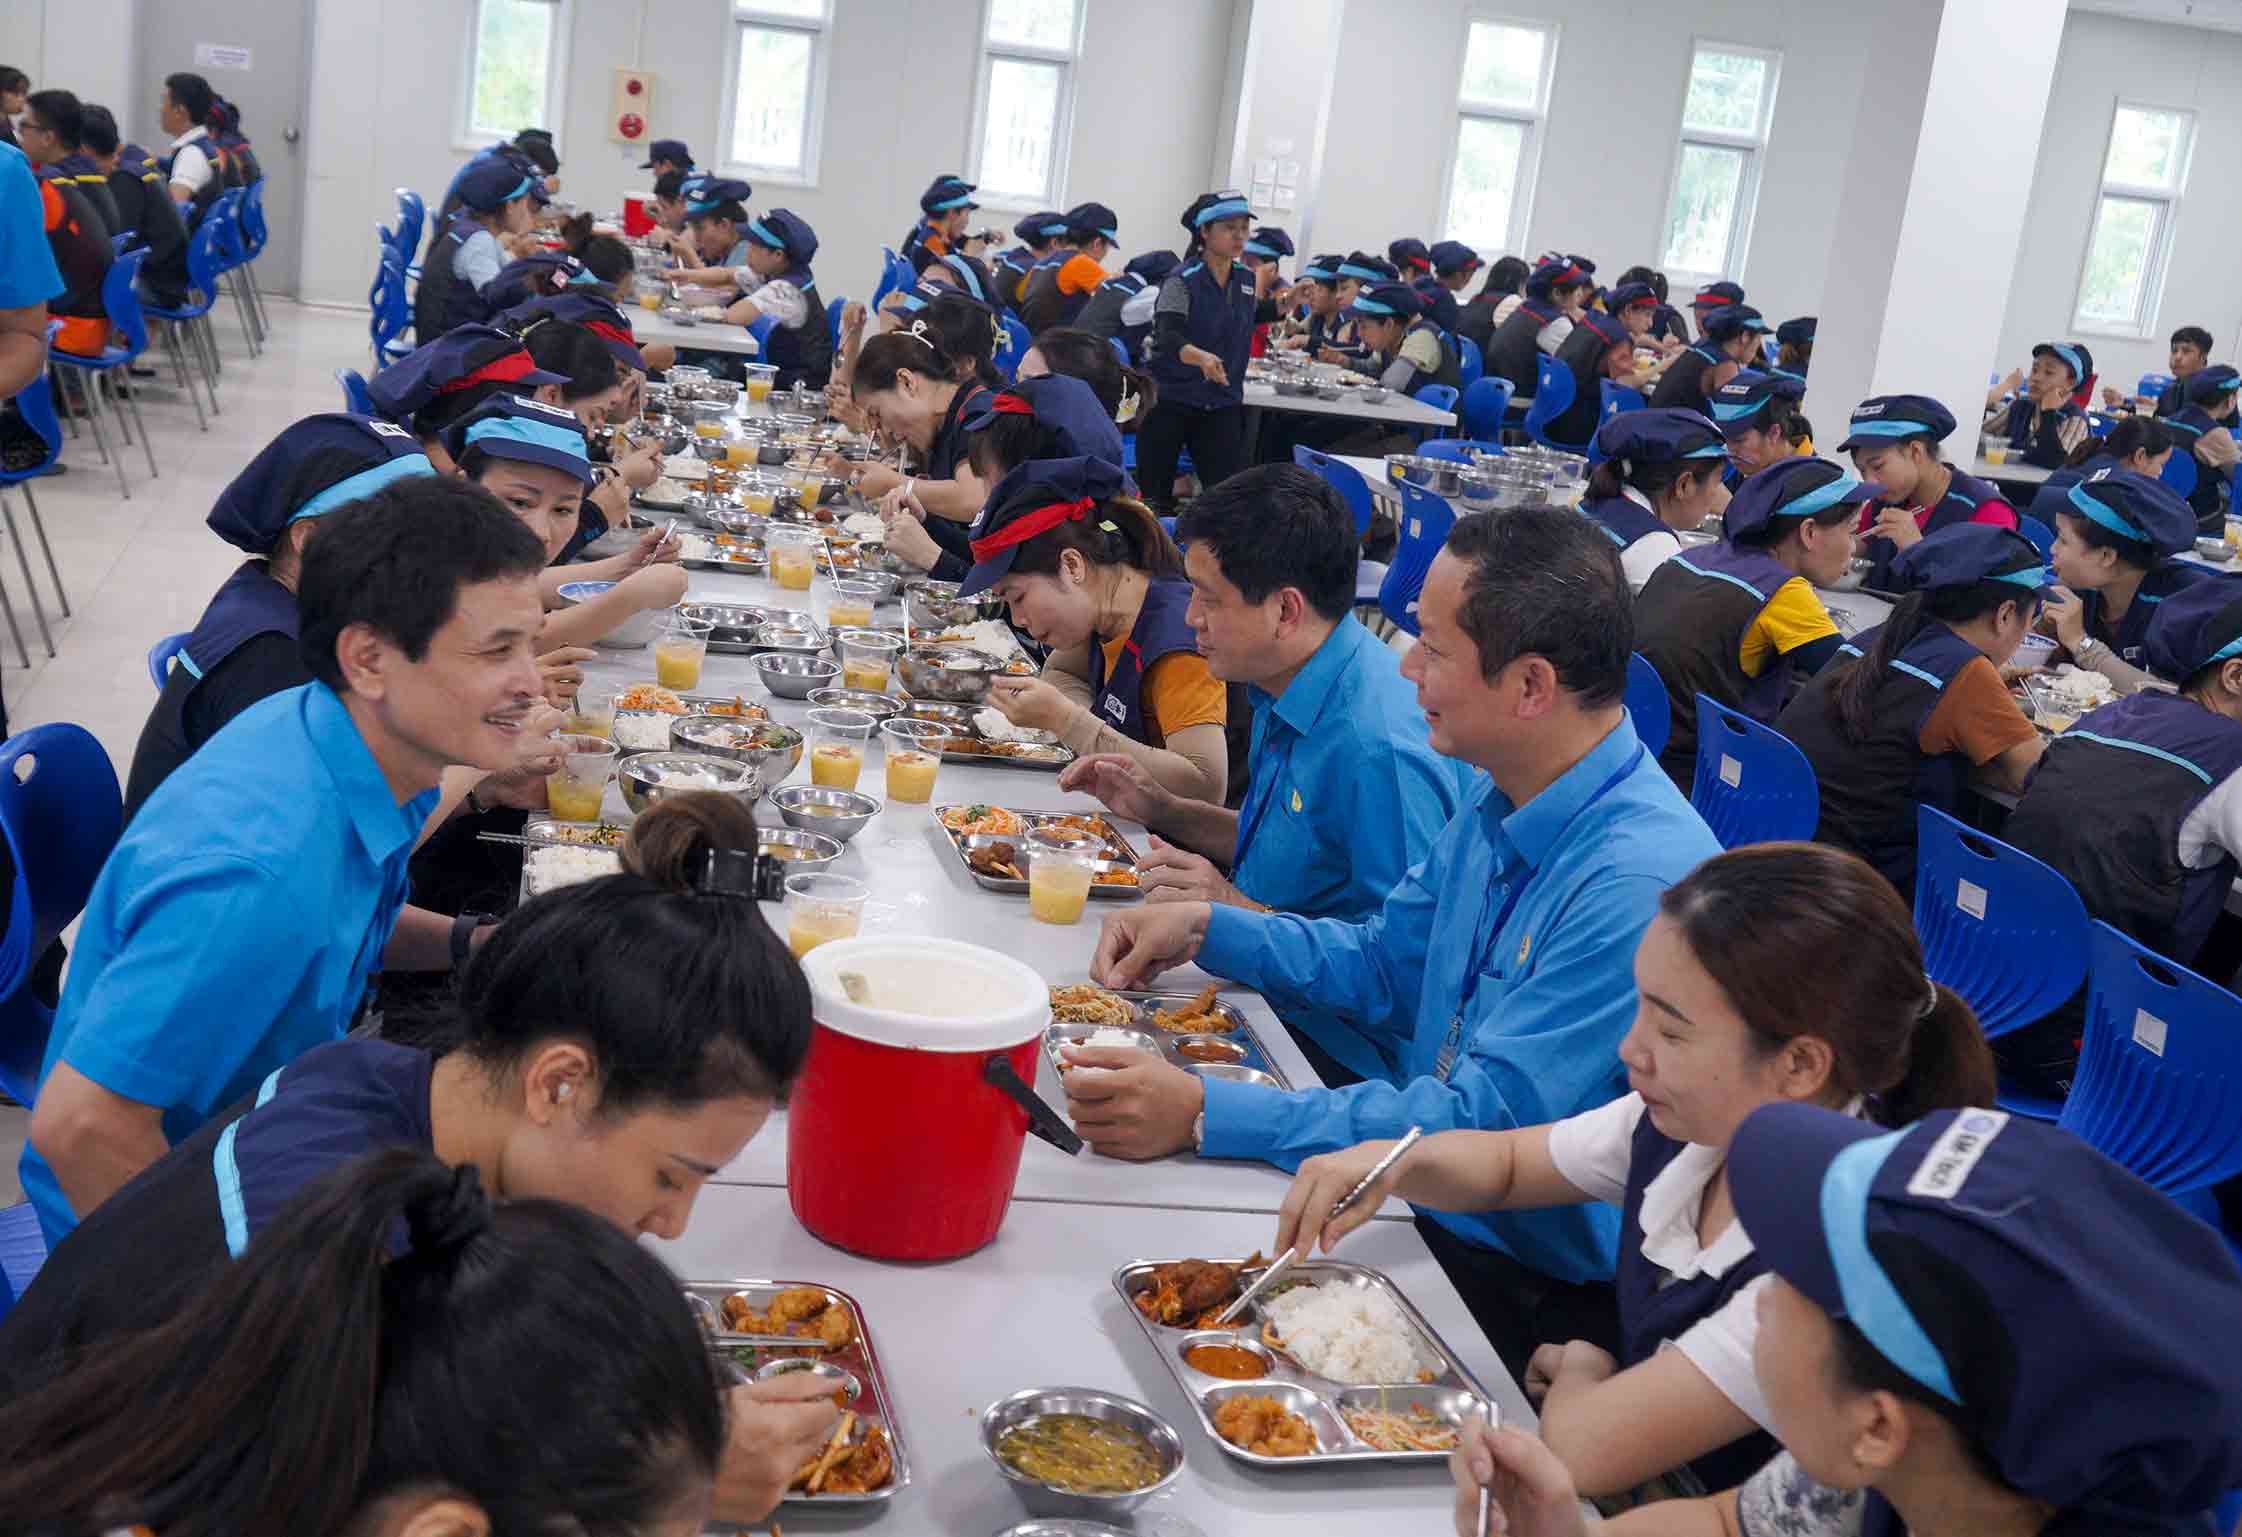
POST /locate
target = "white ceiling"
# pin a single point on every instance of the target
(2215, 15)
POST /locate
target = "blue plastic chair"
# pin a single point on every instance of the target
(1017, 341)
(2042, 537)
(192, 318)
(1999, 927)
(35, 404)
(119, 244)
(120, 300)
(1441, 397)
(1458, 450)
(833, 319)
(1649, 706)
(1425, 521)
(255, 232)
(412, 220)
(2153, 385)
(760, 328)
(1345, 479)
(23, 1249)
(1618, 398)
(1486, 401)
(160, 655)
(1752, 785)
(356, 399)
(233, 254)
(2100, 423)
(1553, 396)
(61, 820)
(393, 317)
(2180, 471)
(1470, 362)
(887, 283)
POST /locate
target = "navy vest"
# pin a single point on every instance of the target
(1440, 305)
(1160, 630)
(2209, 497)
(1690, 620)
(1655, 1307)
(1009, 271)
(2105, 808)
(1514, 351)
(1101, 316)
(1625, 520)
(443, 299)
(916, 251)
(1220, 322)
(1682, 385)
(1450, 371)
(803, 353)
(2126, 637)
(1958, 505)
(1044, 305)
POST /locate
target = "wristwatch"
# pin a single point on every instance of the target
(1198, 1131)
(463, 930)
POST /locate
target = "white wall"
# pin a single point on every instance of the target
(1285, 89)
(899, 103)
(81, 46)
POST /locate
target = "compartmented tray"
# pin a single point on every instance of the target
(1446, 1400)
(1232, 1051)
(1046, 756)
(603, 838)
(1115, 879)
(854, 1369)
(744, 629)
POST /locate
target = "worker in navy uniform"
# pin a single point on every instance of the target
(145, 210)
(1598, 347)
(666, 155)
(1405, 349)
(240, 156)
(2139, 806)
(1268, 244)
(1122, 307)
(1894, 441)
(432, 386)
(944, 210)
(2043, 422)
(1036, 233)
(1309, 324)
(1454, 265)
(716, 221)
(1727, 344)
(2117, 539)
(1714, 296)
(780, 247)
(1062, 282)
(588, 308)
(1357, 271)
(467, 254)
(530, 152)
(2204, 429)
(1794, 348)
(52, 133)
(1758, 415)
(243, 649)
(1539, 325)
(1738, 620)
(606, 262)
(1914, 708)
(1202, 334)
(1657, 475)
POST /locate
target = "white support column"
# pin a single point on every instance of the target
(1932, 210)
(1290, 70)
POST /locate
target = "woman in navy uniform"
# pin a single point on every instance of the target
(1010, 268)
(2204, 427)
(2117, 536)
(1202, 334)
(1912, 709)
(1598, 347)
(1794, 348)
(777, 282)
(2142, 444)
(1090, 574)
(1268, 244)
(1758, 415)
(1061, 284)
(1539, 325)
(2043, 422)
(470, 250)
(1729, 345)
(1309, 325)
(1357, 271)
(1121, 309)
(1894, 441)
(1506, 280)
(1739, 619)
(945, 209)
(1406, 350)
(1454, 265)
(1657, 472)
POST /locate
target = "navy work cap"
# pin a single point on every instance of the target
(526, 431)
(1211, 207)
(1556, 270)
(2132, 506)
(494, 181)
(1063, 406)
(1365, 268)
(922, 293)
(1660, 436)
(1409, 252)
(1041, 225)
(1154, 266)
(1322, 269)
(1085, 219)
(1884, 419)
(1388, 301)
(672, 150)
(461, 357)
(709, 193)
(1583, 263)
(1627, 295)
(1733, 320)
(1797, 332)
(784, 230)
(2072, 355)
(1794, 488)
(1968, 553)
(2211, 382)
(312, 467)
(599, 316)
(1610, 327)
(1033, 499)
(1714, 295)
(2063, 1311)
(1741, 404)
(1269, 242)
(946, 193)
(2196, 626)
(1454, 256)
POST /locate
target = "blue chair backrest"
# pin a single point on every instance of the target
(36, 403)
(2153, 385)
(1485, 402)
(1752, 785)
(355, 398)
(203, 265)
(2100, 423)
(1618, 398)
(833, 318)
(161, 653)
(119, 244)
(1441, 397)
(1017, 341)
(760, 328)
(1470, 362)
(1648, 704)
(2180, 472)
(1553, 395)
(1457, 450)
(253, 217)
(1121, 351)
(62, 817)
(2042, 537)
(412, 219)
(391, 314)
(1343, 478)
(225, 215)
(121, 300)
(887, 283)
(1425, 521)
(1998, 927)
(2159, 1085)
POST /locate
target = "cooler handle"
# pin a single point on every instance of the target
(1042, 1119)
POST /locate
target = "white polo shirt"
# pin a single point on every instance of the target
(190, 164)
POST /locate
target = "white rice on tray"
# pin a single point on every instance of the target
(1350, 1334)
(549, 869)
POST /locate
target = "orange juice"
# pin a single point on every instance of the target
(838, 764)
(910, 775)
(805, 931)
(869, 676)
(759, 390)
(709, 429)
(791, 567)
(740, 451)
(848, 613)
(1058, 890)
(649, 300)
(677, 663)
(572, 799)
(812, 488)
(758, 499)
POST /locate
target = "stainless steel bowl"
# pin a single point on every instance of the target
(1441, 477)
(641, 777)
(808, 853)
(878, 706)
(1294, 388)
(1231, 1072)
(723, 392)
(1374, 395)
(838, 814)
(937, 606)
(790, 675)
(2213, 549)
(952, 674)
(708, 450)
(692, 411)
(728, 519)
(730, 624)
(772, 750)
(887, 581)
(1044, 1500)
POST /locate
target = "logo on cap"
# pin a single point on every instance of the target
(1940, 1176)
(388, 430)
(1872, 408)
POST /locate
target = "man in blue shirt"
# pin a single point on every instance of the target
(28, 279)
(242, 914)
(1344, 793)
(1499, 971)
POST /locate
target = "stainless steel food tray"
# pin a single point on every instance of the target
(873, 1403)
(1039, 757)
(1452, 1395)
(1145, 1004)
(1124, 856)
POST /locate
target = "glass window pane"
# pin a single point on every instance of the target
(513, 44)
(1488, 152)
(1502, 65)
(1704, 212)
(1725, 91)
(813, 10)
(1037, 23)
(1023, 117)
(2117, 262)
(2147, 148)
(771, 99)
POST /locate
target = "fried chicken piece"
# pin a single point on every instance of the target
(1200, 1285)
(740, 1316)
(797, 1303)
(867, 1466)
(1264, 1427)
(834, 1327)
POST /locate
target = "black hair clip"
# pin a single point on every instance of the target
(743, 873)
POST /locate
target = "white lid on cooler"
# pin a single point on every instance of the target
(925, 994)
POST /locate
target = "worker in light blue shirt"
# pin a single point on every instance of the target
(1499, 972)
(1344, 791)
(238, 921)
(28, 275)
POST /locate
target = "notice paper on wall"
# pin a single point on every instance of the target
(221, 56)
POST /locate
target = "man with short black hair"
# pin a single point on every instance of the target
(144, 210)
(240, 918)
(52, 133)
(1344, 791)
(1499, 972)
(185, 115)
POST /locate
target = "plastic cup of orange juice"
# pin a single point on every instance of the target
(762, 378)
(679, 650)
(914, 756)
(574, 791)
(793, 554)
(822, 907)
(851, 605)
(868, 659)
(837, 739)
(1061, 865)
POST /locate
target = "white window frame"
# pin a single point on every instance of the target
(1533, 119)
(1754, 148)
(1062, 133)
(465, 135)
(745, 14)
(2146, 323)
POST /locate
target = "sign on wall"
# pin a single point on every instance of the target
(221, 56)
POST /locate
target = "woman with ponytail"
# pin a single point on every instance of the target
(2118, 536)
(614, 1044)
(385, 1359)
(1729, 1020)
(915, 390)
(1911, 710)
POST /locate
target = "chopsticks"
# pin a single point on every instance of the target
(776, 1341)
(1277, 1267)
(1284, 1262)
(525, 841)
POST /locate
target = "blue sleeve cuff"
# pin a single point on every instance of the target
(1229, 939)
(1243, 1119)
